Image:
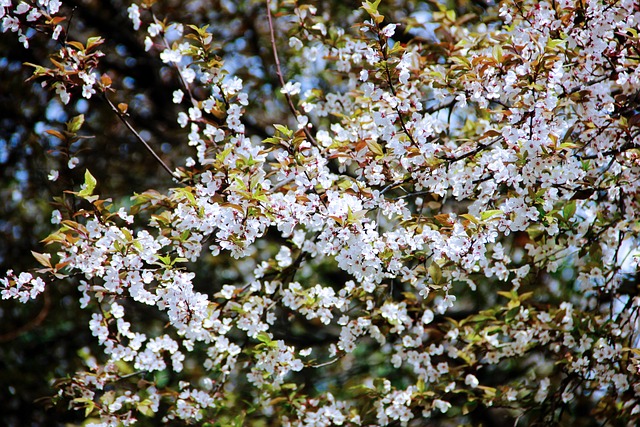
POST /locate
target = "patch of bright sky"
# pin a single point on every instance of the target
(427, 28)
(55, 112)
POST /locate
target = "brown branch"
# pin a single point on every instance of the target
(122, 118)
(471, 153)
(383, 49)
(438, 107)
(626, 147)
(175, 65)
(279, 72)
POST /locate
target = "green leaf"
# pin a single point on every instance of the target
(162, 378)
(239, 420)
(451, 15)
(264, 338)
(94, 41)
(471, 218)
(89, 185)
(525, 296)
(513, 312)
(283, 130)
(89, 409)
(90, 181)
(477, 318)
(490, 213)
(436, 273)
(497, 52)
(569, 209)
(375, 148)
(553, 43)
(75, 124)
(372, 9)
(509, 295)
(127, 234)
(144, 408)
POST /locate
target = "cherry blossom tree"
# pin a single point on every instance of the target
(386, 214)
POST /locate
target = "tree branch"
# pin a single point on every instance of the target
(122, 118)
(280, 76)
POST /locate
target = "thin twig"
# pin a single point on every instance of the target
(122, 118)
(175, 65)
(282, 183)
(133, 374)
(66, 32)
(473, 152)
(587, 84)
(614, 152)
(439, 107)
(280, 76)
(383, 49)
(320, 365)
